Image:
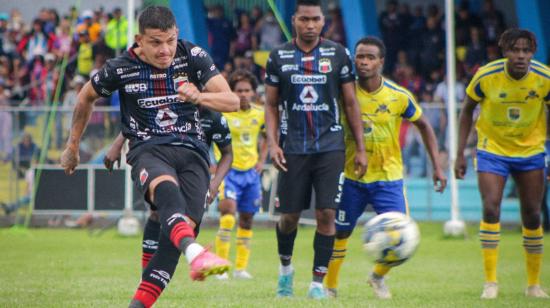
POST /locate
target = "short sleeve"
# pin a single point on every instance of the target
(203, 64)
(346, 70)
(220, 131)
(475, 88)
(106, 80)
(271, 70)
(412, 110)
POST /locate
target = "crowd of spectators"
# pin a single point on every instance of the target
(30, 54)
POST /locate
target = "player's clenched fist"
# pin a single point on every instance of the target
(69, 160)
(188, 92)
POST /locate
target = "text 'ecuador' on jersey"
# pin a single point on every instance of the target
(382, 112)
(512, 120)
(151, 111)
(309, 93)
(245, 127)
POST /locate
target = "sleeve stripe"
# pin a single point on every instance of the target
(398, 89)
(478, 91)
(539, 72)
(497, 70)
(410, 111)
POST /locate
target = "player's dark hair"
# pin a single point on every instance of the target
(511, 36)
(373, 40)
(242, 75)
(156, 17)
(307, 3)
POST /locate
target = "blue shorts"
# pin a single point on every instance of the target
(245, 188)
(503, 166)
(384, 196)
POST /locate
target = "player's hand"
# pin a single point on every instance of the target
(212, 193)
(460, 167)
(188, 92)
(278, 158)
(440, 180)
(112, 158)
(360, 163)
(259, 167)
(70, 159)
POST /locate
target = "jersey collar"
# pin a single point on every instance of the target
(312, 49)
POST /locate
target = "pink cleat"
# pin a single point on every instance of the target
(207, 264)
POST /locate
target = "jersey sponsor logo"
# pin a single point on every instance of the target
(166, 117)
(330, 51)
(134, 74)
(289, 67)
(195, 51)
(344, 71)
(181, 65)
(308, 79)
(286, 54)
(308, 58)
(310, 107)
(325, 66)
(514, 114)
(179, 81)
(153, 102)
(158, 76)
(309, 95)
(143, 175)
(135, 87)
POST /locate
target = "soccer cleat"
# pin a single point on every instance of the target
(490, 290)
(242, 274)
(206, 264)
(223, 276)
(379, 287)
(317, 291)
(535, 291)
(332, 293)
(284, 286)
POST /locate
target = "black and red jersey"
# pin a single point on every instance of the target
(151, 111)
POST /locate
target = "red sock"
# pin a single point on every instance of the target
(147, 293)
(145, 258)
(179, 231)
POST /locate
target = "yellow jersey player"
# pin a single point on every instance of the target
(383, 106)
(241, 189)
(511, 130)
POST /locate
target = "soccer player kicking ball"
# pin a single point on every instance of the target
(511, 130)
(241, 189)
(160, 90)
(305, 80)
(383, 106)
(215, 128)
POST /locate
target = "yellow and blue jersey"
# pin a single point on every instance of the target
(382, 112)
(245, 127)
(512, 120)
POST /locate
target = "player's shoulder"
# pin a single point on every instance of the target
(397, 89)
(329, 47)
(490, 69)
(284, 50)
(191, 49)
(540, 69)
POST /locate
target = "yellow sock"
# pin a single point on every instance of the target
(381, 269)
(338, 255)
(533, 243)
(489, 235)
(223, 237)
(243, 248)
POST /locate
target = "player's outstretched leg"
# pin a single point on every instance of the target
(376, 281)
(489, 235)
(285, 246)
(533, 245)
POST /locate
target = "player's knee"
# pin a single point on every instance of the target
(245, 220)
(325, 217)
(227, 207)
(491, 213)
(531, 218)
(156, 182)
(154, 216)
(288, 222)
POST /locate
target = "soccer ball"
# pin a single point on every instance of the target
(391, 238)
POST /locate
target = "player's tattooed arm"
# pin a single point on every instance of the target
(81, 116)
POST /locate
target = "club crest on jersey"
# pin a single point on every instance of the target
(383, 108)
(325, 65)
(179, 81)
(143, 175)
(532, 94)
(514, 114)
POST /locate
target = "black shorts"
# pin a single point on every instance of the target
(185, 165)
(321, 171)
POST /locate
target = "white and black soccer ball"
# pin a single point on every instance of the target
(391, 238)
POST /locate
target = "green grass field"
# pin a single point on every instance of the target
(67, 268)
